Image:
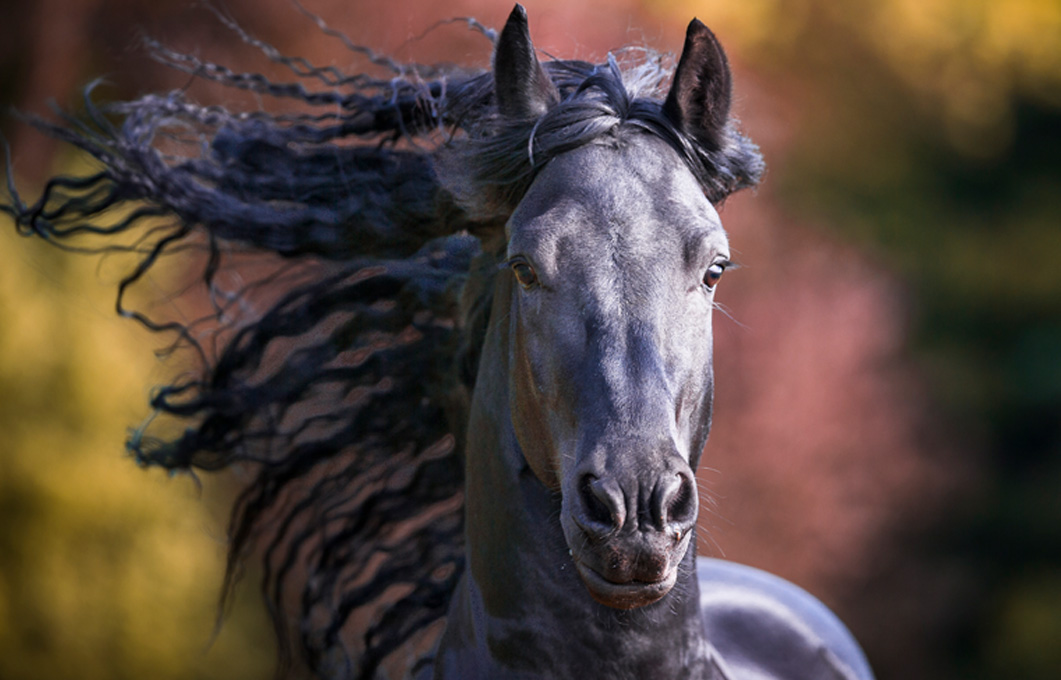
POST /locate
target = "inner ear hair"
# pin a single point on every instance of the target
(700, 96)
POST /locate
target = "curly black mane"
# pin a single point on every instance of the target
(345, 257)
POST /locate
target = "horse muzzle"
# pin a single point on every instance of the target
(609, 582)
(628, 533)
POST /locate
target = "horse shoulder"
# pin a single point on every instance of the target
(763, 626)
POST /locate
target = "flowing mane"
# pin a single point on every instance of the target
(346, 258)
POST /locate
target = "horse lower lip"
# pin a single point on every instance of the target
(628, 595)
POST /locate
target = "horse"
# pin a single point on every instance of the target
(478, 393)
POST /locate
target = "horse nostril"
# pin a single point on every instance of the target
(675, 501)
(603, 510)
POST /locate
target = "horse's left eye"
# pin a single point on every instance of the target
(714, 273)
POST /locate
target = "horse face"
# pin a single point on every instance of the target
(615, 250)
(614, 253)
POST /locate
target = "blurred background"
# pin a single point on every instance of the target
(888, 424)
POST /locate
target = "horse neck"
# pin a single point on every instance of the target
(520, 608)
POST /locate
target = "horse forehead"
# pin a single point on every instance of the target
(624, 192)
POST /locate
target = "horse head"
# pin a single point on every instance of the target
(615, 253)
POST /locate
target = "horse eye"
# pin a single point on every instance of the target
(524, 274)
(714, 273)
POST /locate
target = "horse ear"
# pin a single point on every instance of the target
(523, 89)
(699, 98)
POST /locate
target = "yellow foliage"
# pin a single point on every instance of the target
(964, 58)
(106, 570)
(972, 56)
(1028, 627)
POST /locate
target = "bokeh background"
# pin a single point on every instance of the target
(888, 424)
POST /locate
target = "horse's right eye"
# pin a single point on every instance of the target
(524, 274)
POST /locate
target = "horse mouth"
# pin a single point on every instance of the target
(629, 595)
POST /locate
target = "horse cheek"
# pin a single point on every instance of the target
(529, 421)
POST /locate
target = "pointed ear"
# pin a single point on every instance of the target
(699, 98)
(523, 89)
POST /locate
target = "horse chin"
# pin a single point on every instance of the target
(629, 595)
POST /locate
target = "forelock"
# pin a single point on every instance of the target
(490, 169)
